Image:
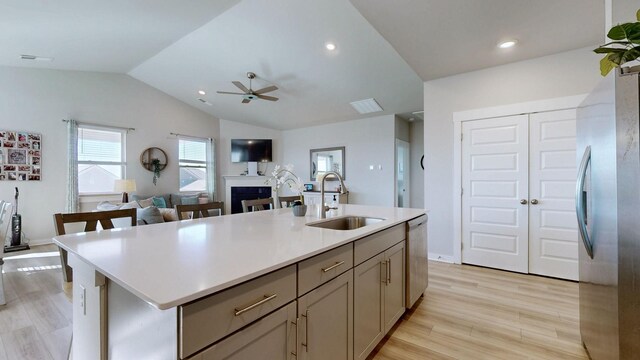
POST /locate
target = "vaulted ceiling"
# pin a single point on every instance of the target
(385, 49)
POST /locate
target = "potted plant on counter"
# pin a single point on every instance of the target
(281, 176)
(624, 48)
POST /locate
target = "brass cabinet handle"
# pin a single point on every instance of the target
(266, 298)
(306, 331)
(389, 271)
(386, 271)
(294, 353)
(324, 270)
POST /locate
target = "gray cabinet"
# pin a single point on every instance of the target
(378, 298)
(326, 321)
(272, 337)
(394, 292)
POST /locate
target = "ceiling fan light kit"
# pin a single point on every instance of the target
(249, 94)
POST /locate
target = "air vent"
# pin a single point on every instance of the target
(205, 101)
(366, 106)
(35, 58)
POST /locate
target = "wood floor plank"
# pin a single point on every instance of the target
(479, 313)
(25, 344)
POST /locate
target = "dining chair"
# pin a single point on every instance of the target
(91, 219)
(256, 205)
(199, 210)
(287, 201)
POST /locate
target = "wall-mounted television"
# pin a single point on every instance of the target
(249, 150)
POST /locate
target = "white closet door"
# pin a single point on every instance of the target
(553, 235)
(495, 170)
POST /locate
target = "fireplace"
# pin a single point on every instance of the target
(239, 193)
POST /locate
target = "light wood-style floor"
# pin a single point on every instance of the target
(36, 321)
(477, 313)
(468, 313)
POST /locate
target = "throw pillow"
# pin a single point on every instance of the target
(150, 215)
(169, 214)
(130, 205)
(159, 201)
(107, 206)
(189, 200)
(145, 202)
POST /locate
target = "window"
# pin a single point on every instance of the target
(101, 159)
(192, 159)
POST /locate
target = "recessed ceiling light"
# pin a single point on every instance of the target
(507, 44)
(330, 46)
(202, 92)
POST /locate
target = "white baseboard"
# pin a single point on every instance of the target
(441, 258)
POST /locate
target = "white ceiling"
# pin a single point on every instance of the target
(91, 35)
(282, 41)
(440, 38)
(180, 47)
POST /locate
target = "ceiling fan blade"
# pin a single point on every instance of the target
(265, 97)
(266, 90)
(240, 86)
(226, 92)
(246, 101)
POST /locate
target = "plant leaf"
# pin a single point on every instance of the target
(608, 50)
(638, 15)
(623, 43)
(606, 66)
(633, 31)
(630, 55)
(617, 33)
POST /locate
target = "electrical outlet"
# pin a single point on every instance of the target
(83, 300)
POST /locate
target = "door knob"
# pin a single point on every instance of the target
(534, 201)
(523, 201)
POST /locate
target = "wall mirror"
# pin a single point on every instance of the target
(328, 159)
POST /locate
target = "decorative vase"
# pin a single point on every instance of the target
(300, 210)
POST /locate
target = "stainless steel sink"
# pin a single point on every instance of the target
(345, 222)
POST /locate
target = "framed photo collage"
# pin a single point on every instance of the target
(20, 156)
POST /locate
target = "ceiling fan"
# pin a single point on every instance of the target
(250, 94)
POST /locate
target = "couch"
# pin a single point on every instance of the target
(153, 209)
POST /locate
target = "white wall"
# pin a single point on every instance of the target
(570, 73)
(369, 141)
(36, 100)
(416, 132)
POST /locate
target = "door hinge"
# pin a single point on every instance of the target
(461, 191)
(461, 136)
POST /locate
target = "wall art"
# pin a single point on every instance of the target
(20, 156)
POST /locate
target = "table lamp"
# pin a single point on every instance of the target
(125, 186)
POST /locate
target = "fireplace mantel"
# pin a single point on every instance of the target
(239, 180)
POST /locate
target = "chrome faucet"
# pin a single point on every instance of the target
(343, 190)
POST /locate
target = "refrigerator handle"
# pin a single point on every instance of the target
(581, 202)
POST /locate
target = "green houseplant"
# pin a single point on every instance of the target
(624, 48)
(155, 163)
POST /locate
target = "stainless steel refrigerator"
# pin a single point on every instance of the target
(608, 211)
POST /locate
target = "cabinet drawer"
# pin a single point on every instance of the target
(324, 267)
(272, 337)
(207, 320)
(374, 244)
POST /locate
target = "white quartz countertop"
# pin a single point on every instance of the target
(173, 263)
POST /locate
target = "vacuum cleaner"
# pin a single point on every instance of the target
(16, 231)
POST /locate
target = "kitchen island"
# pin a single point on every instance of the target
(163, 291)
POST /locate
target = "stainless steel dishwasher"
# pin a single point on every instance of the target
(417, 266)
